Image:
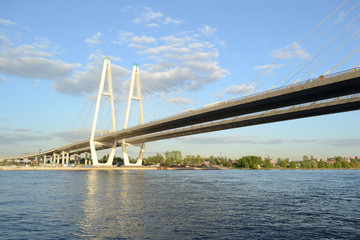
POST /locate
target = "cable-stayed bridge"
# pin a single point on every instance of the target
(306, 97)
(323, 95)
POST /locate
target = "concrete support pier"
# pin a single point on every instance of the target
(64, 157)
(77, 158)
(87, 158)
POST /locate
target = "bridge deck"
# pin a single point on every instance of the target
(333, 86)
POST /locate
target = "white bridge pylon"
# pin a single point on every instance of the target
(135, 79)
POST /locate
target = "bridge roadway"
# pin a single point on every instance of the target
(301, 111)
(322, 88)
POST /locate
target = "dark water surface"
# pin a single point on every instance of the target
(233, 204)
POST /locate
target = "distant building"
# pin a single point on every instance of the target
(331, 160)
(231, 161)
(272, 161)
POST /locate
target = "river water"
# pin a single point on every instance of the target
(229, 204)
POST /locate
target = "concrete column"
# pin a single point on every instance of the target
(55, 158)
(67, 157)
(62, 157)
(44, 159)
(86, 158)
(58, 159)
(77, 158)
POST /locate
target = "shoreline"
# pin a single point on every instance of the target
(82, 168)
(142, 168)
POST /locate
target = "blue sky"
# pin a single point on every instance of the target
(51, 53)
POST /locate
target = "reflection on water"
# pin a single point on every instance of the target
(114, 205)
(234, 204)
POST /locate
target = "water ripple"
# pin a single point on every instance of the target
(234, 204)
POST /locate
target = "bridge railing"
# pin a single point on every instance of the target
(299, 83)
(216, 104)
(268, 91)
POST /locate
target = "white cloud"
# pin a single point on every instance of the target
(198, 45)
(169, 20)
(188, 78)
(181, 38)
(15, 136)
(151, 18)
(86, 81)
(80, 83)
(37, 61)
(24, 130)
(95, 39)
(73, 135)
(45, 44)
(37, 83)
(5, 42)
(230, 139)
(180, 100)
(208, 31)
(32, 61)
(166, 49)
(136, 46)
(147, 15)
(6, 22)
(268, 66)
(181, 61)
(35, 67)
(343, 142)
(235, 89)
(193, 56)
(289, 51)
(198, 139)
(143, 40)
(301, 53)
(123, 37)
(152, 25)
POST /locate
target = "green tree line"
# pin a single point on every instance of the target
(175, 158)
(255, 162)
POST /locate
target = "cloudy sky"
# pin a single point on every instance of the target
(51, 54)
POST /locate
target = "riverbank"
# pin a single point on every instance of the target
(90, 168)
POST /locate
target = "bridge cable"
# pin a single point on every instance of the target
(348, 56)
(314, 58)
(152, 90)
(335, 51)
(165, 88)
(284, 54)
(158, 89)
(302, 50)
(315, 52)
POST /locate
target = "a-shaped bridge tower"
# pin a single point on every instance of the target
(106, 76)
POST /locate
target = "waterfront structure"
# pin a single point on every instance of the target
(326, 94)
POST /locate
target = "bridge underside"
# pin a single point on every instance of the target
(301, 111)
(320, 89)
(291, 102)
